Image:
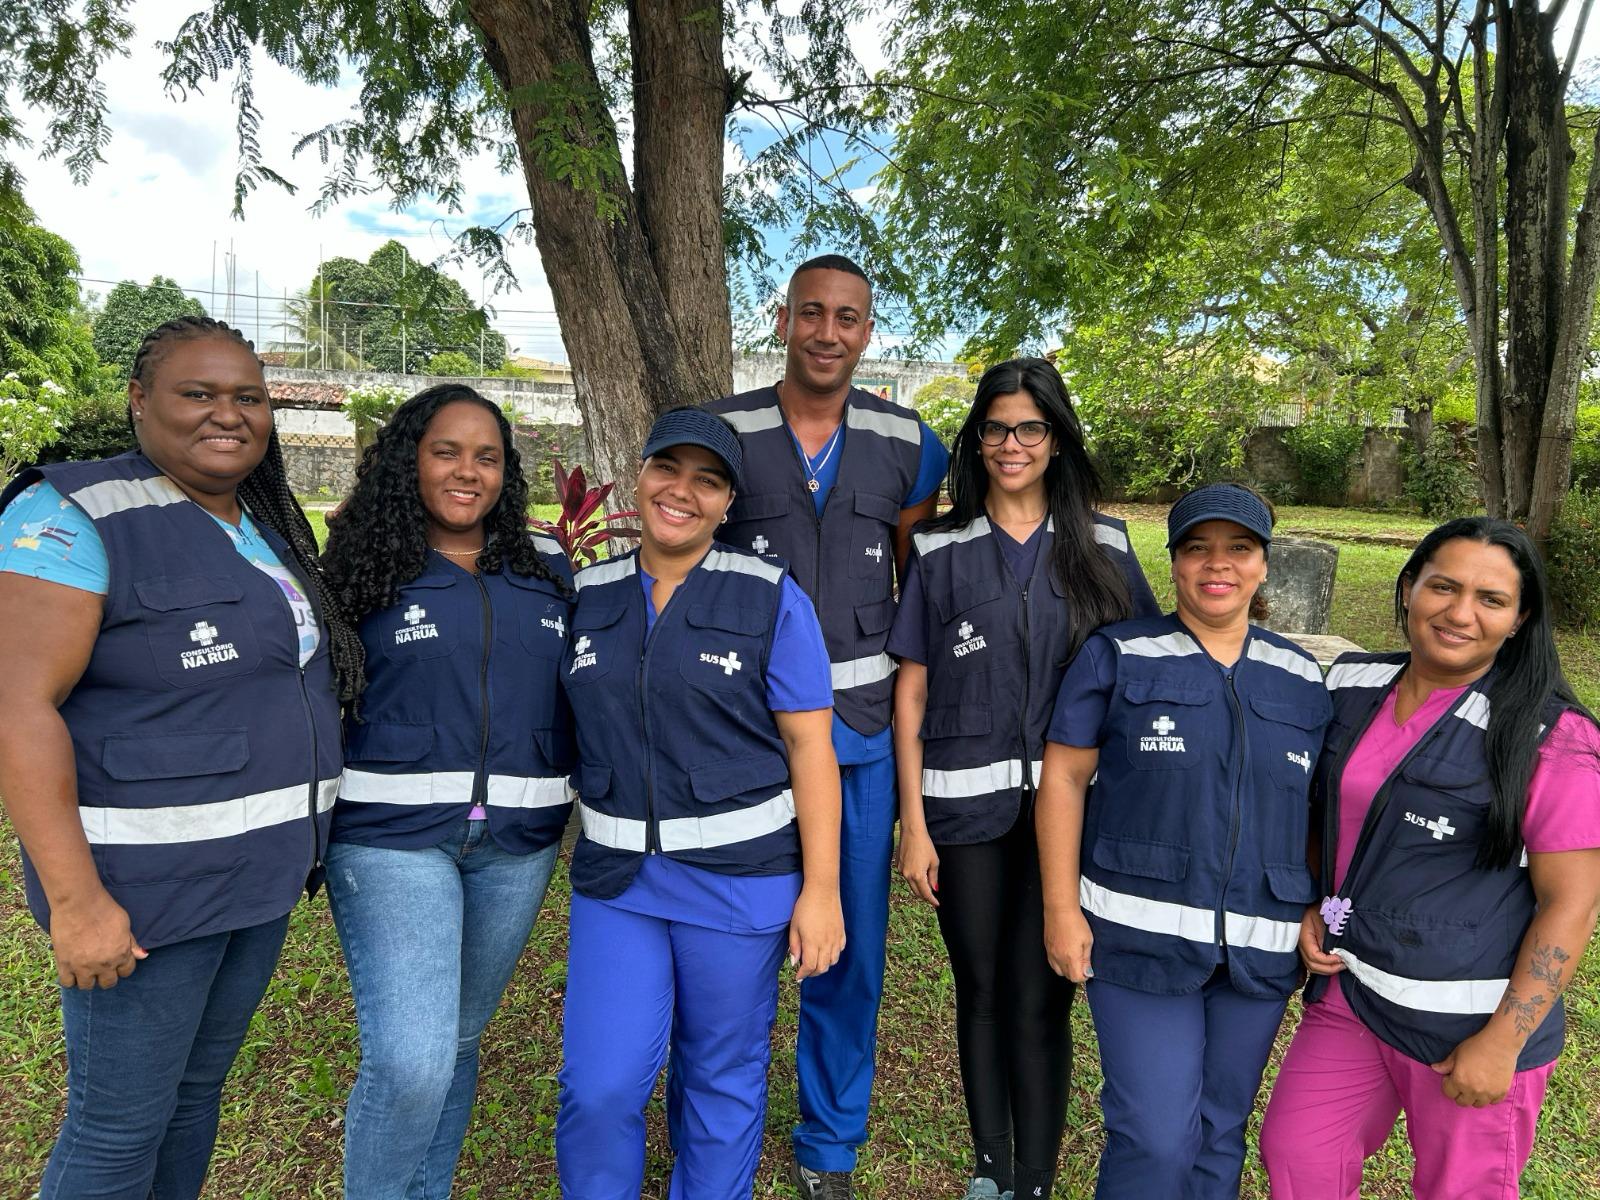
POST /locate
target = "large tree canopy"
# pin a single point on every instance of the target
(131, 311)
(42, 334)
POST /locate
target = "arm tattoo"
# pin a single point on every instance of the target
(1547, 965)
(1524, 1012)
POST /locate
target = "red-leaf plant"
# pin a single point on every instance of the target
(583, 527)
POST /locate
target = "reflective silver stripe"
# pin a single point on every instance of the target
(889, 425)
(119, 495)
(725, 829)
(1187, 922)
(547, 545)
(858, 672)
(1475, 710)
(976, 781)
(416, 790)
(1361, 674)
(721, 560)
(1168, 645)
(619, 833)
(1286, 660)
(606, 572)
(754, 420)
(1107, 536)
(422, 788)
(938, 539)
(519, 791)
(1460, 996)
(201, 822)
(691, 833)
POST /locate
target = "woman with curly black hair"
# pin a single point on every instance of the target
(454, 793)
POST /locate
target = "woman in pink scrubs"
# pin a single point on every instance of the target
(1460, 787)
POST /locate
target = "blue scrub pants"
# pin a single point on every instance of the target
(634, 983)
(1181, 1077)
(838, 1034)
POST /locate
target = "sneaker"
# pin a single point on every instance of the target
(984, 1189)
(820, 1185)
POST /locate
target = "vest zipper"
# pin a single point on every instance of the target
(649, 753)
(1235, 820)
(311, 798)
(480, 780)
(1022, 709)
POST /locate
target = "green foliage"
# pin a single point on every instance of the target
(1441, 480)
(42, 335)
(131, 311)
(395, 314)
(313, 337)
(30, 419)
(368, 408)
(1586, 448)
(452, 362)
(1324, 450)
(583, 527)
(944, 403)
(1571, 554)
(94, 425)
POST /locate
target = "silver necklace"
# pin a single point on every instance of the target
(812, 472)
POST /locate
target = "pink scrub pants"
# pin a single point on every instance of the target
(1338, 1095)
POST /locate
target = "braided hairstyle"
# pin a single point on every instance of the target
(378, 540)
(265, 493)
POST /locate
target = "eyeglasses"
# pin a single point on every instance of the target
(1028, 433)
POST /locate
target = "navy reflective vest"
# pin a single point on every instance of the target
(678, 752)
(1428, 938)
(207, 758)
(463, 706)
(843, 560)
(997, 649)
(1194, 839)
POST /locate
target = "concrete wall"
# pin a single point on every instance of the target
(1378, 476)
(531, 399)
(761, 368)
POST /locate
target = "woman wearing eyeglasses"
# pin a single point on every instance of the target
(998, 595)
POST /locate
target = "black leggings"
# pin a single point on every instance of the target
(1011, 1008)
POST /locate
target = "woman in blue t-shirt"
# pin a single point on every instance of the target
(998, 594)
(170, 682)
(454, 793)
(709, 796)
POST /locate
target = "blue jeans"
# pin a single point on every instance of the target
(837, 1040)
(145, 1065)
(431, 937)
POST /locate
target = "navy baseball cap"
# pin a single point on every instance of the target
(696, 427)
(1220, 502)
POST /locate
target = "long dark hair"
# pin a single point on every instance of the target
(377, 541)
(1073, 488)
(266, 494)
(1526, 677)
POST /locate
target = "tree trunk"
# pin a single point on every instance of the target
(628, 359)
(1484, 298)
(1537, 154)
(680, 102)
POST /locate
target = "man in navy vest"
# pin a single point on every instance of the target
(835, 478)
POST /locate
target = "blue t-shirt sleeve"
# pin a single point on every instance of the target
(930, 470)
(799, 677)
(47, 537)
(1085, 696)
(908, 636)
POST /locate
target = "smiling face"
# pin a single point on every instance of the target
(201, 414)
(460, 468)
(1012, 466)
(1217, 567)
(826, 325)
(1462, 606)
(682, 495)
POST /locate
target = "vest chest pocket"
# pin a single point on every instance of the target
(722, 649)
(594, 646)
(1442, 808)
(872, 536)
(425, 624)
(198, 629)
(974, 639)
(754, 520)
(1291, 737)
(1162, 724)
(543, 616)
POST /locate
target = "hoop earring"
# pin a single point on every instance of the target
(724, 520)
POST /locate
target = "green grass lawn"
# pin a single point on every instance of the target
(281, 1122)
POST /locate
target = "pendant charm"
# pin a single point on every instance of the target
(811, 485)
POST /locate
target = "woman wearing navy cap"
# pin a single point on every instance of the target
(998, 595)
(1172, 822)
(709, 797)
(454, 793)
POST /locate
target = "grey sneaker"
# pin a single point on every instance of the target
(820, 1185)
(984, 1189)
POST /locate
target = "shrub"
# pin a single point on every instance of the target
(1586, 449)
(583, 528)
(943, 403)
(30, 419)
(368, 408)
(94, 426)
(1441, 480)
(1571, 552)
(1324, 449)
(453, 362)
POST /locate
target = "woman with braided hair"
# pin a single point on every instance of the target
(454, 793)
(171, 753)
